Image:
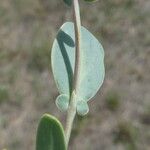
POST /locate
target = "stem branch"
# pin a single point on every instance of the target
(73, 101)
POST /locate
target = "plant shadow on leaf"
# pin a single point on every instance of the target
(63, 61)
(62, 39)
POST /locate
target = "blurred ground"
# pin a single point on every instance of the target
(119, 117)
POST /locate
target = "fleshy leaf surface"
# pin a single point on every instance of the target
(63, 62)
(62, 59)
(82, 108)
(62, 102)
(50, 134)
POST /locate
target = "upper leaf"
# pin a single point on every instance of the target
(63, 63)
(50, 134)
(62, 59)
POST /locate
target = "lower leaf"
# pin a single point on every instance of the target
(50, 134)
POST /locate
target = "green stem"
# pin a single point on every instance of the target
(73, 101)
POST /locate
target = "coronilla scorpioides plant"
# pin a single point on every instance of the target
(77, 60)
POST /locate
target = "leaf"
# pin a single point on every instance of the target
(62, 102)
(62, 57)
(82, 108)
(68, 2)
(63, 62)
(50, 134)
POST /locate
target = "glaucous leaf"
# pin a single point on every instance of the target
(62, 102)
(50, 134)
(62, 59)
(82, 107)
(63, 62)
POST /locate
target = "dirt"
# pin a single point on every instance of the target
(27, 88)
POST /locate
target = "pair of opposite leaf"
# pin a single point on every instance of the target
(50, 134)
(69, 2)
(92, 71)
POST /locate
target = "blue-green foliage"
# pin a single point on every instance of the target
(82, 107)
(50, 134)
(91, 67)
(62, 102)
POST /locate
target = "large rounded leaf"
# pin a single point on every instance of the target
(63, 62)
(50, 134)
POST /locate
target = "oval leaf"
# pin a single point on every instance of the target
(63, 62)
(50, 134)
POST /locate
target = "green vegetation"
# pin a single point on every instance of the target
(50, 134)
(4, 94)
(40, 58)
(145, 117)
(78, 74)
(127, 134)
(112, 100)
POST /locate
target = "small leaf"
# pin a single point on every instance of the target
(62, 102)
(50, 134)
(82, 108)
(68, 2)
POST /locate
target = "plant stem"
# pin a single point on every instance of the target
(70, 117)
(73, 101)
(77, 27)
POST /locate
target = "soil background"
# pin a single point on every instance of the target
(119, 117)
